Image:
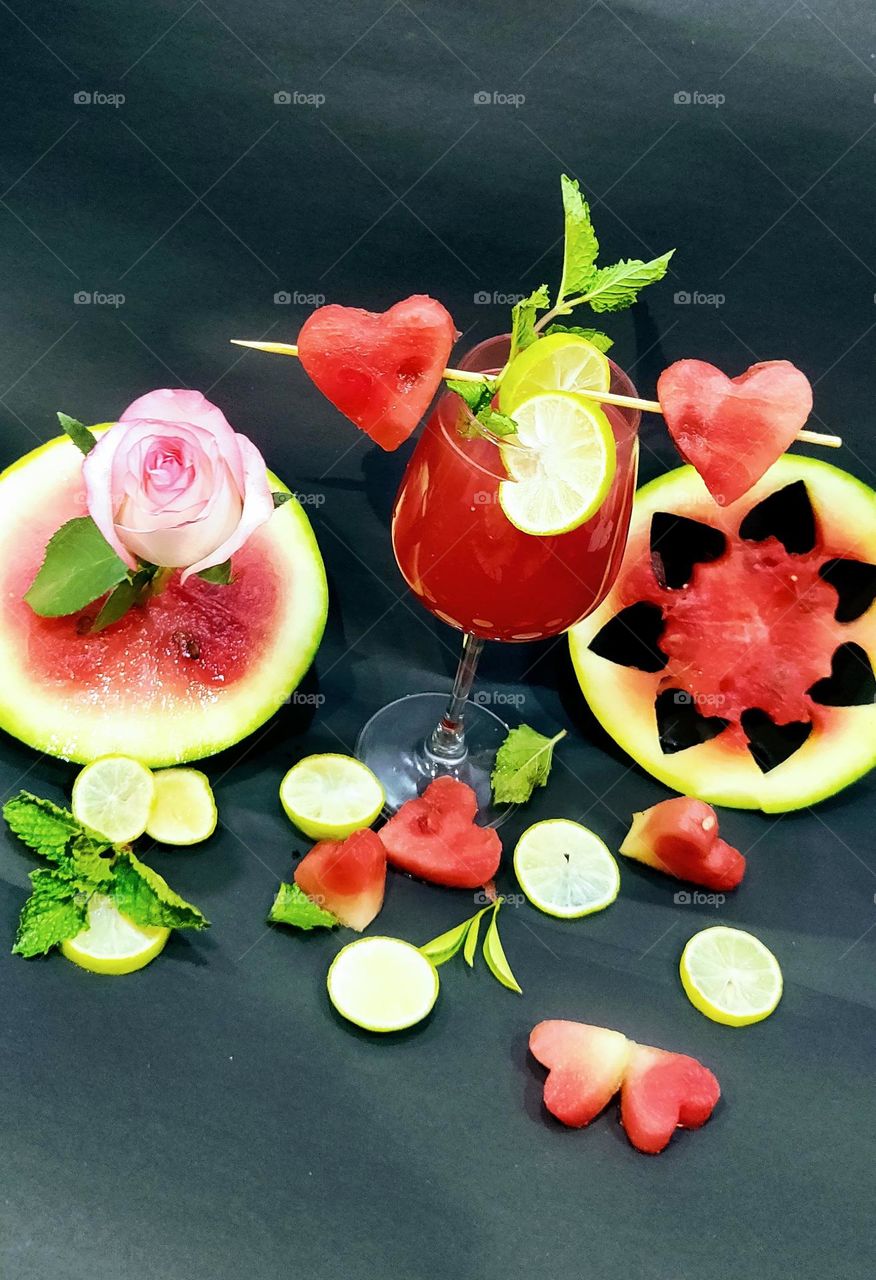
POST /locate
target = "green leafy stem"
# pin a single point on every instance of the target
(84, 865)
(582, 283)
(465, 937)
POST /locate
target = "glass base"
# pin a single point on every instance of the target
(394, 745)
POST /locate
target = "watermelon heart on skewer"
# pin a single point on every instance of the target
(733, 429)
(381, 369)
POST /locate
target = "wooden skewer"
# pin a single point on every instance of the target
(601, 397)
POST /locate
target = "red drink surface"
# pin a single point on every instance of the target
(470, 566)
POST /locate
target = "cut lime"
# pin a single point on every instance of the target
(113, 796)
(328, 797)
(382, 984)
(730, 976)
(183, 809)
(111, 942)
(565, 870)
(563, 474)
(559, 362)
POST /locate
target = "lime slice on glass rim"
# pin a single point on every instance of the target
(563, 473)
(382, 984)
(730, 976)
(113, 796)
(328, 797)
(565, 869)
(111, 942)
(559, 362)
(183, 808)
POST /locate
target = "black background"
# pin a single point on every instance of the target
(210, 1117)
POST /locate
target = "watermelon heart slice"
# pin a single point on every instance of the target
(662, 1092)
(381, 369)
(586, 1066)
(346, 877)
(680, 837)
(436, 838)
(733, 429)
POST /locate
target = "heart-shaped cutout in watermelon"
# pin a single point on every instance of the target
(733, 429)
(381, 369)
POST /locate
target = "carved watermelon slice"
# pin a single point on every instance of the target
(435, 836)
(734, 656)
(381, 369)
(346, 877)
(196, 671)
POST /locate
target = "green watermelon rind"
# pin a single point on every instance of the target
(44, 720)
(828, 761)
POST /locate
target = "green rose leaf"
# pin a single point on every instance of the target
(78, 432)
(79, 566)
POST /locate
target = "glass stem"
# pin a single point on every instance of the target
(448, 738)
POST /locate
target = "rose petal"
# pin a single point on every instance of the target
(170, 404)
(181, 543)
(97, 472)
(258, 507)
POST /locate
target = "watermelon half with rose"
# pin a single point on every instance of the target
(734, 656)
(196, 670)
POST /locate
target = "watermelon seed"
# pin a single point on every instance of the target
(187, 644)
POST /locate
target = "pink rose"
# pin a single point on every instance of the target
(173, 484)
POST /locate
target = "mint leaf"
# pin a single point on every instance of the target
(54, 912)
(600, 340)
(477, 395)
(292, 906)
(145, 896)
(497, 961)
(218, 573)
(280, 498)
(78, 432)
(42, 826)
(79, 566)
(523, 319)
(613, 288)
(523, 762)
(443, 948)
(581, 246)
(497, 423)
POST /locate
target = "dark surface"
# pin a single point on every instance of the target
(210, 1117)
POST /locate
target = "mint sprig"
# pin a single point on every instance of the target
(292, 906)
(465, 936)
(523, 762)
(83, 864)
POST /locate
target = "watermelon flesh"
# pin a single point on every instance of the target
(435, 837)
(733, 429)
(381, 369)
(660, 1091)
(346, 877)
(680, 837)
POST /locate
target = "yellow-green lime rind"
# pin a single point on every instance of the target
(113, 796)
(559, 362)
(730, 976)
(112, 943)
(382, 984)
(183, 808)
(565, 869)
(563, 473)
(328, 797)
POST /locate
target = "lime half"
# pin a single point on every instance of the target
(559, 362)
(563, 474)
(183, 809)
(111, 942)
(113, 796)
(730, 976)
(382, 984)
(328, 797)
(565, 870)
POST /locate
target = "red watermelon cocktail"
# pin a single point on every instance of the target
(467, 561)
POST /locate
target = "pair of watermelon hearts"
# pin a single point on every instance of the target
(660, 1091)
(382, 370)
(433, 836)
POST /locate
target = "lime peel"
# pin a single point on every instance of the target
(730, 976)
